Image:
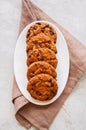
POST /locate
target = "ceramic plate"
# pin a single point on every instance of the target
(20, 67)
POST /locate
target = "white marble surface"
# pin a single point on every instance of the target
(70, 14)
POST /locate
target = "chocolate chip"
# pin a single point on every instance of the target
(34, 85)
(27, 50)
(29, 56)
(56, 52)
(28, 31)
(37, 54)
(27, 40)
(42, 30)
(50, 80)
(51, 33)
(47, 25)
(35, 28)
(38, 93)
(38, 23)
(30, 62)
(35, 34)
(49, 41)
(27, 35)
(36, 44)
(55, 41)
(48, 85)
(47, 98)
(35, 64)
(53, 92)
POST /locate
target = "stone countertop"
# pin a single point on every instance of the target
(71, 15)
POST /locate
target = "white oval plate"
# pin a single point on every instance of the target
(20, 67)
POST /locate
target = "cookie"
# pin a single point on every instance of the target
(42, 27)
(40, 67)
(40, 40)
(42, 87)
(42, 54)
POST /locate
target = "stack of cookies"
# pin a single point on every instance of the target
(41, 61)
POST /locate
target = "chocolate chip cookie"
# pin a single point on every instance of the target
(42, 87)
(42, 27)
(42, 54)
(40, 41)
(40, 67)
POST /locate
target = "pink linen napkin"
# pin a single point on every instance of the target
(41, 117)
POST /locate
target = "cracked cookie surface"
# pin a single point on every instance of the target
(42, 87)
(40, 41)
(42, 27)
(40, 67)
(42, 54)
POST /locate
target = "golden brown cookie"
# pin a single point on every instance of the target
(40, 67)
(42, 87)
(42, 54)
(42, 27)
(40, 41)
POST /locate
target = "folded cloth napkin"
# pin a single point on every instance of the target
(41, 117)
